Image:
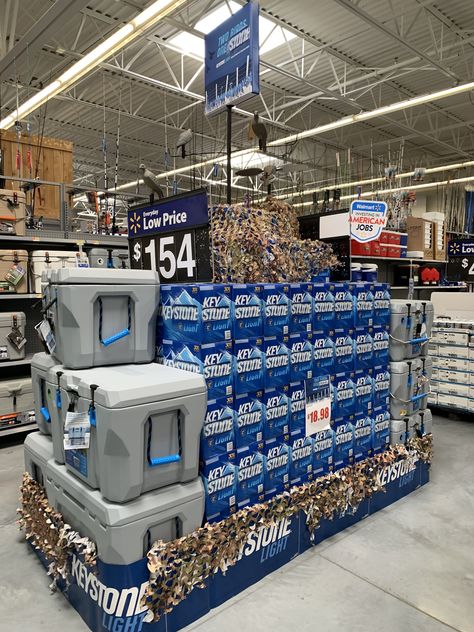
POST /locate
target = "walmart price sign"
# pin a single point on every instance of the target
(171, 237)
(461, 260)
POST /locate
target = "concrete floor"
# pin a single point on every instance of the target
(408, 568)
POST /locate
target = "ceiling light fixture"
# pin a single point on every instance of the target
(115, 42)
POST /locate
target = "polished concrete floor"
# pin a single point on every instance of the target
(408, 568)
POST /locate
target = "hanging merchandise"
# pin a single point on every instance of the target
(255, 244)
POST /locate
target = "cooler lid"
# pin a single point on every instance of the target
(126, 385)
(20, 386)
(404, 366)
(399, 425)
(116, 514)
(398, 306)
(44, 362)
(6, 318)
(103, 276)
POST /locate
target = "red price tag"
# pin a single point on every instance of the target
(318, 415)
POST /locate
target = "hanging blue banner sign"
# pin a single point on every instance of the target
(232, 60)
(367, 219)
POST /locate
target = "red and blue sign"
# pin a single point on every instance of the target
(367, 220)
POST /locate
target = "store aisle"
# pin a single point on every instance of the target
(409, 567)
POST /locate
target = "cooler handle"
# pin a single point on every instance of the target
(169, 458)
(121, 334)
(44, 410)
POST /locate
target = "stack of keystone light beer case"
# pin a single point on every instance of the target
(118, 448)
(410, 369)
(263, 350)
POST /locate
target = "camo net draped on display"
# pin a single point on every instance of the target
(255, 244)
(177, 567)
(47, 532)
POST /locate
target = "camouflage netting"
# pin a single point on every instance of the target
(177, 567)
(262, 244)
(46, 530)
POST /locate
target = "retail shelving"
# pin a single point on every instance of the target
(17, 428)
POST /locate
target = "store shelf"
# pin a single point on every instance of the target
(399, 259)
(435, 288)
(30, 241)
(17, 428)
(10, 363)
(18, 296)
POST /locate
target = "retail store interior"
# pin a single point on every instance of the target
(236, 315)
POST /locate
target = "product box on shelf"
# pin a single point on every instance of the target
(381, 437)
(343, 442)
(12, 211)
(450, 351)
(297, 395)
(214, 360)
(218, 431)
(250, 420)
(457, 377)
(249, 365)
(433, 399)
(343, 306)
(12, 336)
(276, 306)
(276, 410)
(420, 236)
(196, 313)
(363, 348)
(323, 452)
(301, 459)
(381, 292)
(364, 390)
(381, 378)
(323, 353)
(250, 477)
(302, 305)
(363, 436)
(277, 361)
(452, 401)
(247, 309)
(277, 467)
(14, 271)
(447, 337)
(324, 314)
(381, 344)
(344, 351)
(451, 388)
(363, 304)
(301, 357)
(343, 394)
(451, 364)
(220, 486)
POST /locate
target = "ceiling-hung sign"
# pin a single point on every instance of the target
(232, 60)
(367, 219)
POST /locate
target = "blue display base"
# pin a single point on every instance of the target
(108, 599)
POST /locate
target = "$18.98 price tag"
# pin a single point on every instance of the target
(318, 404)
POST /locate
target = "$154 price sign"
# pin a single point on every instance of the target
(318, 404)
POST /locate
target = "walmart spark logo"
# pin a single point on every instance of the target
(134, 222)
(454, 248)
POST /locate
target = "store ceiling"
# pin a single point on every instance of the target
(338, 57)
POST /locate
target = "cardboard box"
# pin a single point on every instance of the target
(12, 212)
(453, 364)
(446, 375)
(421, 236)
(440, 241)
(433, 399)
(451, 401)
(450, 337)
(449, 388)
(447, 351)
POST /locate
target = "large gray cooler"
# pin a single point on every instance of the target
(125, 533)
(103, 317)
(410, 328)
(409, 386)
(45, 375)
(9, 321)
(108, 258)
(145, 427)
(16, 396)
(403, 429)
(37, 450)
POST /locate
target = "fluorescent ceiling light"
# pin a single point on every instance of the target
(115, 42)
(254, 159)
(271, 35)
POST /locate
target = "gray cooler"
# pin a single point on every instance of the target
(103, 317)
(402, 429)
(9, 322)
(16, 396)
(410, 328)
(145, 427)
(125, 533)
(425, 421)
(37, 450)
(409, 386)
(108, 258)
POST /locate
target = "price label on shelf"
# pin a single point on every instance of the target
(318, 404)
(171, 237)
(461, 260)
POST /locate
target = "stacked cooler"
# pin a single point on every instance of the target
(410, 369)
(119, 443)
(258, 347)
(452, 352)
